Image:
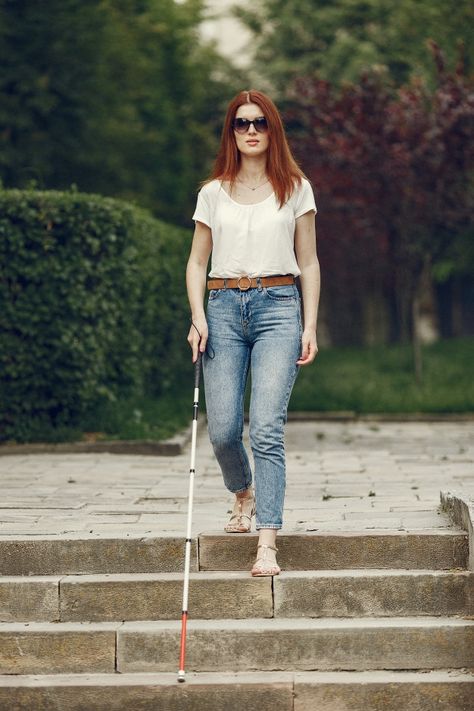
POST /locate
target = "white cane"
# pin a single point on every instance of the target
(187, 558)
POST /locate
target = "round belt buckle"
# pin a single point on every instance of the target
(244, 288)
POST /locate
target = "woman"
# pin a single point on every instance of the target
(256, 215)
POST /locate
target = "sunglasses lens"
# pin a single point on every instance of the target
(261, 124)
(241, 125)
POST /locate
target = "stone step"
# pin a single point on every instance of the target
(87, 554)
(373, 592)
(147, 596)
(435, 549)
(133, 596)
(60, 555)
(445, 690)
(299, 644)
(49, 648)
(322, 644)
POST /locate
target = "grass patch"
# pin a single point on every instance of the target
(363, 380)
(381, 379)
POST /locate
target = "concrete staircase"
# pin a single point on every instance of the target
(357, 620)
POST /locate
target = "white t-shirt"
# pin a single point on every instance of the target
(256, 240)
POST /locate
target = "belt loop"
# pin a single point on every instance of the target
(225, 283)
(259, 284)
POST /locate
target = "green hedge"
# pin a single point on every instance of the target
(92, 306)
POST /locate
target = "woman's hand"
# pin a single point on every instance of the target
(193, 336)
(309, 348)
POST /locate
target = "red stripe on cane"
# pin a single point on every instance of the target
(182, 651)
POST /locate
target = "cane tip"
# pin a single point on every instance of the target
(181, 676)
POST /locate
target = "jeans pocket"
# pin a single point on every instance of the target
(213, 294)
(282, 293)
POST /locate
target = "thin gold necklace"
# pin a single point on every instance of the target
(248, 186)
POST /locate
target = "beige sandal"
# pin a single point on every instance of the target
(241, 518)
(261, 568)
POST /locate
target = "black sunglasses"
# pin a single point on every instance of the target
(242, 125)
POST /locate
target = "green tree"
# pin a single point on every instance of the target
(340, 39)
(52, 87)
(393, 176)
(117, 96)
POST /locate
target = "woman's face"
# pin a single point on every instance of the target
(253, 142)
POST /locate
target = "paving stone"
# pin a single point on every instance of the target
(389, 516)
(42, 480)
(413, 524)
(22, 504)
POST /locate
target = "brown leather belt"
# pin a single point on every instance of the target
(244, 283)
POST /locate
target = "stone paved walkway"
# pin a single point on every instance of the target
(340, 476)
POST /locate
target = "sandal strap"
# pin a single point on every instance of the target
(262, 564)
(265, 545)
(238, 514)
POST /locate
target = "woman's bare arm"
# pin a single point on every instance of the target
(306, 256)
(196, 270)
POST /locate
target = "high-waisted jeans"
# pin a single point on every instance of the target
(258, 330)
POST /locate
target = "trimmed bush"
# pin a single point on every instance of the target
(92, 306)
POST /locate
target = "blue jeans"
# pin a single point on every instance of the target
(258, 330)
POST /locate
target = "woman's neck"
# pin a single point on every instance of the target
(252, 169)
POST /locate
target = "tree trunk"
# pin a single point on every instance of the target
(416, 340)
(419, 280)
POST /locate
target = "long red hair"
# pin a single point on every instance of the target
(282, 169)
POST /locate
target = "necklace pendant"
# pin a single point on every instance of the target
(250, 188)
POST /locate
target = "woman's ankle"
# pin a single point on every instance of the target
(246, 494)
(267, 537)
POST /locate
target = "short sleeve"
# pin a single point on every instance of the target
(304, 199)
(202, 213)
